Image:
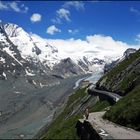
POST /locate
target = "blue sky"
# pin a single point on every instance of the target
(64, 20)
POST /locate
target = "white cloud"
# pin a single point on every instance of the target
(56, 20)
(0, 20)
(103, 47)
(35, 17)
(137, 38)
(15, 6)
(134, 10)
(3, 6)
(73, 31)
(60, 15)
(63, 14)
(52, 29)
(78, 5)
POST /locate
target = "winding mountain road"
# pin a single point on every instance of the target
(105, 94)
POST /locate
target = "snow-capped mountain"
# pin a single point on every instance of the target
(30, 47)
(32, 52)
(30, 66)
(126, 54)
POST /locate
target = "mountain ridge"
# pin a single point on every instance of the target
(36, 50)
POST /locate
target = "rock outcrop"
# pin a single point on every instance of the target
(123, 77)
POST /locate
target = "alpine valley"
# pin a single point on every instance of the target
(36, 78)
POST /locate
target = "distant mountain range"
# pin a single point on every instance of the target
(31, 70)
(30, 54)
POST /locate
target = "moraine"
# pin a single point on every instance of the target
(36, 109)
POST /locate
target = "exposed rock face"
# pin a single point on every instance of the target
(86, 131)
(109, 66)
(126, 54)
(35, 54)
(123, 77)
(67, 68)
(30, 55)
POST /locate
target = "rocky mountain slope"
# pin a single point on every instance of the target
(63, 126)
(124, 79)
(34, 77)
(34, 54)
(126, 54)
(29, 84)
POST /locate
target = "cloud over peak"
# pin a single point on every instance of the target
(103, 47)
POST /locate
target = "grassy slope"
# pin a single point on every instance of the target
(100, 106)
(63, 128)
(125, 83)
(127, 111)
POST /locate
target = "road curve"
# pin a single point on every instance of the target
(110, 95)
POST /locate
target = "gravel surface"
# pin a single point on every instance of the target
(107, 127)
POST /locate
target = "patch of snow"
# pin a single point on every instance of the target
(4, 75)
(28, 73)
(2, 59)
(17, 92)
(13, 64)
(41, 85)
(34, 82)
(11, 54)
(14, 71)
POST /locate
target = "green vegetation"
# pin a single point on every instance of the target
(126, 84)
(124, 79)
(119, 80)
(127, 111)
(63, 127)
(100, 106)
(121, 66)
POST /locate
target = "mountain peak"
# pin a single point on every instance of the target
(129, 51)
(12, 30)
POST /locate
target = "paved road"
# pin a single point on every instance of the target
(115, 97)
(108, 129)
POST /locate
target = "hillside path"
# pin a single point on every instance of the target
(108, 129)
